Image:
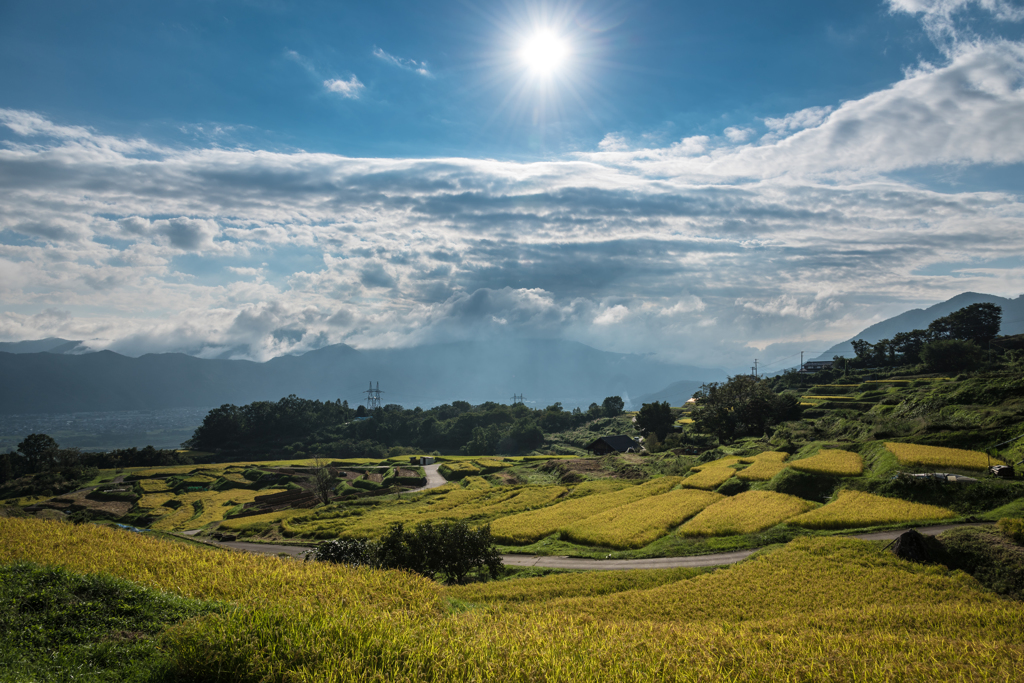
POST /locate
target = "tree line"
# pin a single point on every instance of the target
(299, 427)
(58, 470)
(950, 341)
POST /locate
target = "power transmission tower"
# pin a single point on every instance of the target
(373, 397)
(517, 399)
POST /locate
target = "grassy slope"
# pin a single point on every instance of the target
(818, 609)
(59, 625)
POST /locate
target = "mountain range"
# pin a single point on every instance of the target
(54, 375)
(919, 319)
(543, 371)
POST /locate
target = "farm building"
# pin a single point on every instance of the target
(816, 365)
(618, 444)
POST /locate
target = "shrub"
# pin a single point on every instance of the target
(450, 549)
(1012, 528)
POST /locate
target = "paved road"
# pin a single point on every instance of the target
(434, 478)
(562, 562)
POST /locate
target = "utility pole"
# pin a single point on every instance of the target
(801, 361)
(755, 367)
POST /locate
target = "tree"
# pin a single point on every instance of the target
(40, 451)
(977, 322)
(450, 549)
(323, 481)
(655, 418)
(951, 355)
(613, 406)
(742, 406)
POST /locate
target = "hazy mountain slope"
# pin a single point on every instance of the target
(48, 345)
(544, 371)
(919, 319)
(676, 393)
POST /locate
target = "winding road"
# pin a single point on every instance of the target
(563, 562)
(434, 479)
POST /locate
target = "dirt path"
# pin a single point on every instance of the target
(562, 562)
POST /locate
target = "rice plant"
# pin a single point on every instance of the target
(745, 513)
(855, 509)
(831, 461)
(937, 456)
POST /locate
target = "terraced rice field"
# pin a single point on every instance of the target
(528, 527)
(709, 478)
(763, 466)
(154, 485)
(199, 508)
(936, 456)
(831, 461)
(637, 524)
(449, 502)
(745, 513)
(856, 509)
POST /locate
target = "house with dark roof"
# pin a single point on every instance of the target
(618, 444)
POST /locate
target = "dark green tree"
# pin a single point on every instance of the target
(613, 405)
(655, 418)
(40, 451)
(978, 323)
(952, 355)
(449, 549)
(742, 406)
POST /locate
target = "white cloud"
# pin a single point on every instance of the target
(352, 88)
(805, 118)
(815, 241)
(403, 63)
(612, 316)
(736, 134)
(690, 146)
(613, 142)
(940, 19)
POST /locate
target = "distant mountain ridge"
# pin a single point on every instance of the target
(919, 319)
(545, 371)
(48, 345)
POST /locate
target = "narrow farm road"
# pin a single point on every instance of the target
(434, 478)
(562, 562)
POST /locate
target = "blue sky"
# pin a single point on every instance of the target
(709, 182)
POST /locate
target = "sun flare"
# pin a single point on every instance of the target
(544, 52)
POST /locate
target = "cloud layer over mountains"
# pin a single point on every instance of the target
(705, 251)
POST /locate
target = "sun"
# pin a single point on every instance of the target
(544, 52)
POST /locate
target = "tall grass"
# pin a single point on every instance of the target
(818, 609)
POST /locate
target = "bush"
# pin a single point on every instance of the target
(989, 558)
(354, 551)
(732, 486)
(450, 549)
(817, 487)
(1012, 528)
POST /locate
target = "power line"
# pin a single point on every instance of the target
(373, 396)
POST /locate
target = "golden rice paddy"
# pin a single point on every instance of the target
(856, 509)
(831, 461)
(936, 456)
